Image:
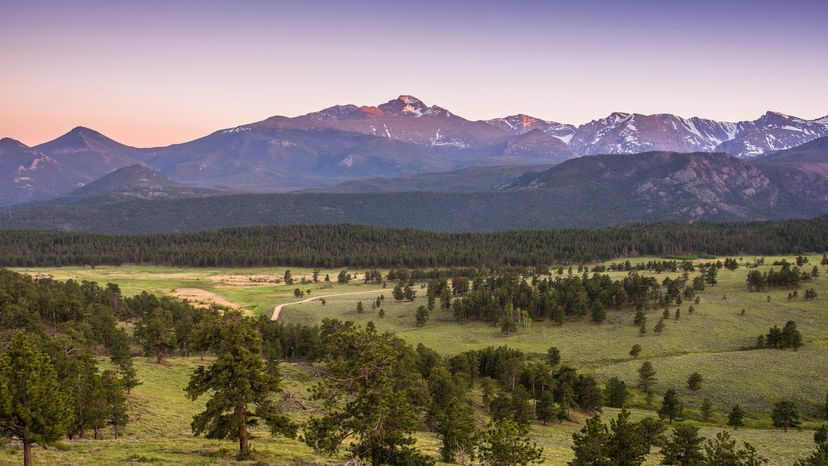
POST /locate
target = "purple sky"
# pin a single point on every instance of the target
(158, 72)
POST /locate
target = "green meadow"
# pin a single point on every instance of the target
(713, 341)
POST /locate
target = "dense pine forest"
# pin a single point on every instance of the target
(351, 245)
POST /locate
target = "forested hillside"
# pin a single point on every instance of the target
(345, 245)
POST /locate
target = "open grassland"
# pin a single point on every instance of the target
(159, 431)
(711, 341)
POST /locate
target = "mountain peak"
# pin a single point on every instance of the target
(777, 116)
(404, 105)
(335, 113)
(12, 143)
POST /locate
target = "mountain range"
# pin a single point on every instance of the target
(402, 137)
(585, 192)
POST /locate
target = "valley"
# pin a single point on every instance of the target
(711, 341)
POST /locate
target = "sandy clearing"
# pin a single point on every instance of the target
(237, 280)
(202, 298)
(278, 309)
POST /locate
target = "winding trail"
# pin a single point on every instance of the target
(278, 309)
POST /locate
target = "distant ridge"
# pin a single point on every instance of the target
(401, 137)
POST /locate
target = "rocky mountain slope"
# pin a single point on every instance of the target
(591, 191)
(29, 175)
(682, 185)
(401, 137)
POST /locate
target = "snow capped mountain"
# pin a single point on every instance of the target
(399, 137)
(521, 124)
(771, 132)
(622, 133)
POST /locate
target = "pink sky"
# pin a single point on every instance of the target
(156, 73)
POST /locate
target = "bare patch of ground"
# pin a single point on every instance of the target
(202, 298)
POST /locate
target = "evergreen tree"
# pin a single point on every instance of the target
(626, 445)
(590, 443)
(707, 410)
(825, 409)
(616, 393)
(599, 314)
(694, 382)
(370, 395)
(635, 350)
(156, 332)
(722, 451)
(684, 447)
(33, 406)
(639, 315)
(659, 327)
(454, 425)
(546, 410)
(422, 316)
(821, 435)
(736, 418)
(240, 387)
(671, 406)
(507, 443)
(359, 308)
(646, 376)
(785, 415)
(115, 401)
(553, 357)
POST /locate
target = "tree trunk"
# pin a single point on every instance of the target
(159, 355)
(27, 452)
(244, 444)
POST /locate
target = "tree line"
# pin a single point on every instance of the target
(352, 245)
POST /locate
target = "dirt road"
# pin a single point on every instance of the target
(278, 309)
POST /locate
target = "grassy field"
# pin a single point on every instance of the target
(709, 341)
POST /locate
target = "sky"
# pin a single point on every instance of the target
(151, 73)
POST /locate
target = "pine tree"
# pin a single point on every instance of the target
(599, 314)
(590, 443)
(722, 451)
(659, 327)
(646, 376)
(553, 356)
(616, 393)
(156, 332)
(671, 406)
(455, 426)
(707, 410)
(115, 401)
(694, 382)
(639, 315)
(507, 443)
(785, 415)
(635, 350)
(626, 445)
(684, 447)
(736, 418)
(422, 316)
(34, 408)
(369, 394)
(825, 409)
(545, 410)
(236, 381)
